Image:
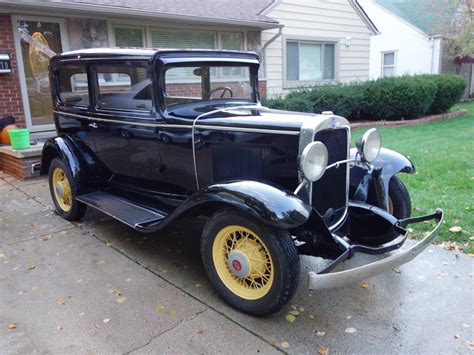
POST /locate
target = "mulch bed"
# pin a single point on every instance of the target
(418, 121)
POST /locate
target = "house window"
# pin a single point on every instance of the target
(388, 64)
(129, 36)
(310, 61)
(163, 38)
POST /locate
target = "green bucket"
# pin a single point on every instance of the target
(20, 138)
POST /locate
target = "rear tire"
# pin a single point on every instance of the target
(63, 191)
(253, 267)
(399, 199)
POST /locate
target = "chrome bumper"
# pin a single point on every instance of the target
(341, 278)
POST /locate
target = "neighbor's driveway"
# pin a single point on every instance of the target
(100, 287)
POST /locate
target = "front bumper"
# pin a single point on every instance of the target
(327, 279)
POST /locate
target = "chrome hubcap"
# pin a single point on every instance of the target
(59, 189)
(239, 264)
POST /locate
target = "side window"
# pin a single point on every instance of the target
(73, 86)
(124, 87)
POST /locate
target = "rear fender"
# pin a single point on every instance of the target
(387, 164)
(71, 155)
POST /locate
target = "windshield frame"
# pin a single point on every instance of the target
(209, 62)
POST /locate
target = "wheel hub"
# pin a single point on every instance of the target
(239, 264)
(59, 189)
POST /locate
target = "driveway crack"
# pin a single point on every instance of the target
(190, 318)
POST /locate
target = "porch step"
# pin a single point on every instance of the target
(137, 217)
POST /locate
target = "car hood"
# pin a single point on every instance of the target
(260, 119)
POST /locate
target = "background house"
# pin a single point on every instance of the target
(411, 40)
(303, 41)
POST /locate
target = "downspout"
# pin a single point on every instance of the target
(432, 53)
(267, 43)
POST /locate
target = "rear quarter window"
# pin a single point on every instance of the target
(73, 86)
(124, 87)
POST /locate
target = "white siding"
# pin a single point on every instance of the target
(416, 53)
(331, 20)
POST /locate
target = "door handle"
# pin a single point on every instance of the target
(93, 125)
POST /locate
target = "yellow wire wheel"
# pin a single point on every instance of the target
(243, 262)
(62, 189)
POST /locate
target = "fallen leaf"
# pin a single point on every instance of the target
(365, 285)
(397, 270)
(159, 308)
(294, 313)
(301, 309)
(31, 267)
(108, 243)
(470, 344)
(455, 229)
(290, 318)
(120, 299)
(172, 312)
(284, 344)
(11, 325)
(106, 320)
(59, 328)
(320, 334)
(200, 331)
(61, 301)
(350, 330)
(101, 262)
(323, 351)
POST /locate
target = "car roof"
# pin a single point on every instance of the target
(150, 53)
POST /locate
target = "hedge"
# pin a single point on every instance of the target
(405, 97)
(450, 90)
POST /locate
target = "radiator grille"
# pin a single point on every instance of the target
(329, 195)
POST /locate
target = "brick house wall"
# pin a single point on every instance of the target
(10, 94)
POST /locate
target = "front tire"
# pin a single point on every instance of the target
(63, 191)
(253, 267)
(399, 203)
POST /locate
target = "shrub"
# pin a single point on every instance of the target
(343, 100)
(450, 91)
(405, 97)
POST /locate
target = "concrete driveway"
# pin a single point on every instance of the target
(99, 287)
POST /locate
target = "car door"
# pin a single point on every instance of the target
(125, 127)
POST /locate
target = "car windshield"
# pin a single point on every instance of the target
(207, 86)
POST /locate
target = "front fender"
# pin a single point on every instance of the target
(266, 203)
(387, 164)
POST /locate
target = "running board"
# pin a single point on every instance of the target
(137, 217)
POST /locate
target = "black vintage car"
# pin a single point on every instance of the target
(147, 136)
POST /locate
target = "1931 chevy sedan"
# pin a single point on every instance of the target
(147, 136)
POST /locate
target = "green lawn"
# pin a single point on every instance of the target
(443, 154)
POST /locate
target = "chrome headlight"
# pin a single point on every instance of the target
(369, 145)
(313, 161)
